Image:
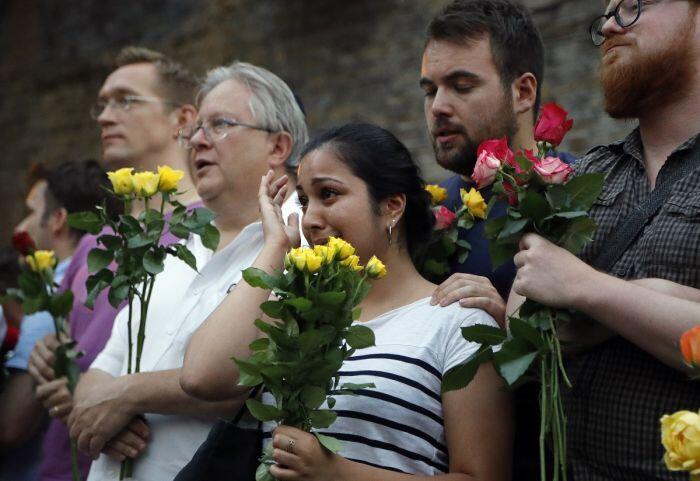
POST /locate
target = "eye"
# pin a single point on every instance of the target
(429, 91)
(328, 193)
(463, 88)
(302, 201)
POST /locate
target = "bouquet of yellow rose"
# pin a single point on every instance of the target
(133, 243)
(299, 360)
(38, 292)
(445, 247)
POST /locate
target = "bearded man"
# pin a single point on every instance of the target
(628, 370)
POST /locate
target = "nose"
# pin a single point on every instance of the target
(611, 27)
(106, 117)
(199, 140)
(312, 220)
(442, 105)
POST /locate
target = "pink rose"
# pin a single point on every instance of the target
(491, 154)
(444, 218)
(552, 170)
(552, 125)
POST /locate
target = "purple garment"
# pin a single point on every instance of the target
(91, 328)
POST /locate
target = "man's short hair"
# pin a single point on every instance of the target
(272, 103)
(516, 44)
(76, 187)
(177, 84)
(9, 269)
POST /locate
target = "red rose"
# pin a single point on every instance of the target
(511, 194)
(23, 243)
(11, 338)
(552, 170)
(491, 154)
(444, 218)
(552, 125)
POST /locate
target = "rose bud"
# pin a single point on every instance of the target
(690, 346)
(23, 243)
(491, 154)
(444, 218)
(552, 125)
(552, 170)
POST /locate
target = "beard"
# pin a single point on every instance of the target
(460, 157)
(633, 88)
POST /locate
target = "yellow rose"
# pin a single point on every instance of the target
(680, 435)
(121, 181)
(326, 253)
(313, 261)
(297, 258)
(475, 202)
(145, 183)
(375, 268)
(437, 193)
(352, 261)
(342, 248)
(41, 261)
(169, 178)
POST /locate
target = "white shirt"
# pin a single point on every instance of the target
(399, 424)
(181, 301)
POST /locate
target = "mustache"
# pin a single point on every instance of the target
(440, 126)
(612, 42)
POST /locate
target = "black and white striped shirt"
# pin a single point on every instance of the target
(398, 425)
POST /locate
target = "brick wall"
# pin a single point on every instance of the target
(349, 60)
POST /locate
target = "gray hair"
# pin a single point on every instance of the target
(272, 103)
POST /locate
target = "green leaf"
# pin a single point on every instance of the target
(203, 215)
(30, 284)
(567, 215)
(249, 373)
(65, 363)
(522, 330)
(61, 304)
(141, 240)
(356, 313)
(117, 294)
(153, 262)
(328, 442)
(312, 396)
(98, 259)
(512, 228)
(262, 412)
(184, 254)
(461, 375)
(273, 309)
(111, 242)
(262, 473)
(180, 231)
(534, 206)
(349, 386)
(484, 334)
(501, 253)
(259, 278)
(514, 359)
(259, 344)
(359, 337)
(332, 298)
(87, 221)
(210, 237)
(578, 234)
(301, 303)
(493, 226)
(322, 418)
(584, 190)
(558, 197)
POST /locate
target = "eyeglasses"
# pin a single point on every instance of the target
(214, 129)
(626, 13)
(123, 103)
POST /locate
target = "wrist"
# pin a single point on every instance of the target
(589, 287)
(129, 394)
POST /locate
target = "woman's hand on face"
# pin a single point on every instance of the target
(299, 456)
(277, 231)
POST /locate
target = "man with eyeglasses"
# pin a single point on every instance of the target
(141, 108)
(626, 368)
(249, 123)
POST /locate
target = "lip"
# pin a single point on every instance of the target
(107, 138)
(201, 166)
(610, 48)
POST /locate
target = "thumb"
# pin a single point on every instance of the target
(293, 222)
(527, 241)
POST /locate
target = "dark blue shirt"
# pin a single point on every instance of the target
(479, 261)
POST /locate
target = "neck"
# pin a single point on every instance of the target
(664, 128)
(524, 138)
(233, 214)
(64, 247)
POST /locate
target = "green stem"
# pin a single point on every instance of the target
(543, 416)
(128, 326)
(74, 466)
(141, 336)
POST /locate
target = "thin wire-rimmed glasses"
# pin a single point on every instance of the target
(626, 13)
(215, 129)
(124, 103)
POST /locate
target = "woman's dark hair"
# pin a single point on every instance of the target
(377, 157)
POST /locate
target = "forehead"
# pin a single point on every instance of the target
(323, 163)
(442, 58)
(230, 97)
(36, 194)
(138, 78)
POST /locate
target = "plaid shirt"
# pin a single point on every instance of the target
(620, 391)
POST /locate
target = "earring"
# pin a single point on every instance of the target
(389, 229)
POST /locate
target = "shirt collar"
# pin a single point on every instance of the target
(632, 146)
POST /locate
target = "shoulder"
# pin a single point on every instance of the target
(601, 158)
(449, 318)
(452, 183)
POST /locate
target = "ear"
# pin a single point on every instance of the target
(184, 116)
(392, 209)
(58, 222)
(281, 145)
(524, 90)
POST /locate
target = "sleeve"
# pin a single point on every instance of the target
(112, 358)
(33, 328)
(458, 349)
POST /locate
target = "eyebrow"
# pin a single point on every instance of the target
(118, 91)
(318, 180)
(452, 76)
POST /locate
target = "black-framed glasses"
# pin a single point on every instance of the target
(215, 129)
(626, 13)
(124, 103)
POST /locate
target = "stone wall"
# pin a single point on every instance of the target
(349, 60)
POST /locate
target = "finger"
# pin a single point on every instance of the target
(519, 259)
(96, 445)
(495, 309)
(61, 411)
(46, 390)
(113, 454)
(50, 342)
(470, 290)
(283, 473)
(128, 439)
(44, 370)
(82, 439)
(139, 427)
(286, 459)
(36, 375)
(59, 396)
(280, 196)
(528, 240)
(264, 182)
